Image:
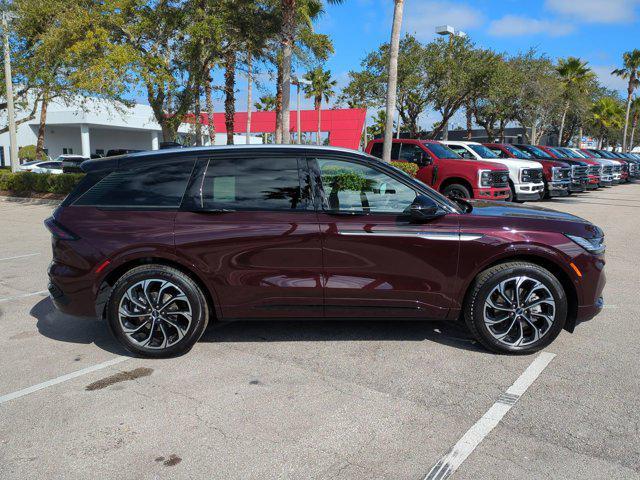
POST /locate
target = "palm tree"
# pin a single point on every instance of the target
(635, 116)
(291, 12)
(630, 71)
(606, 114)
(392, 82)
(265, 103)
(321, 87)
(574, 75)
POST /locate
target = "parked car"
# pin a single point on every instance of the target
(71, 163)
(593, 168)
(215, 234)
(615, 166)
(525, 178)
(579, 170)
(445, 171)
(42, 166)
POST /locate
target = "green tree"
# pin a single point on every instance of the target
(630, 72)
(321, 87)
(635, 117)
(574, 75)
(266, 103)
(607, 116)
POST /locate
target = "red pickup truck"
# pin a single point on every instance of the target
(446, 171)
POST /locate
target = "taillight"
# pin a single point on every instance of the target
(58, 231)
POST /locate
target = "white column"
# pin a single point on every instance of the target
(86, 143)
(155, 140)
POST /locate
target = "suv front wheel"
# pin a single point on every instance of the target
(157, 311)
(516, 307)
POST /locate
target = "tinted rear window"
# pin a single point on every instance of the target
(151, 186)
(441, 151)
(250, 184)
(376, 150)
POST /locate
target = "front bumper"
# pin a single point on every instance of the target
(529, 191)
(579, 185)
(558, 189)
(492, 193)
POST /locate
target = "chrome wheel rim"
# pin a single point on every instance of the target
(519, 311)
(154, 313)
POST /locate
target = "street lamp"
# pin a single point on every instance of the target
(451, 32)
(297, 81)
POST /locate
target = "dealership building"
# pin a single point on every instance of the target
(94, 126)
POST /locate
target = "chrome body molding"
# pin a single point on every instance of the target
(463, 237)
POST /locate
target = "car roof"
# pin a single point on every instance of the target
(151, 156)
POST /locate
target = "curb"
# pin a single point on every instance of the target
(30, 201)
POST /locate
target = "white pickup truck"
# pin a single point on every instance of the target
(525, 176)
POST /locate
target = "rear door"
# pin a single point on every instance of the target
(248, 224)
(376, 262)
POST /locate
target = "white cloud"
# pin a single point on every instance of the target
(610, 81)
(595, 11)
(516, 25)
(421, 18)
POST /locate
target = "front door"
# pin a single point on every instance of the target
(248, 225)
(376, 262)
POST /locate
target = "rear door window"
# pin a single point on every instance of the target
(159, 186)
(259, 183)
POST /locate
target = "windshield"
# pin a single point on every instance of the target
(558, 153)
(483, 151)
(516, 152)
(441, 151)
(535, 151)
(569, 153)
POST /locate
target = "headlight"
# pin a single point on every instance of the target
(485, 178)
(592, 245)
(556, 173)
(525, 175)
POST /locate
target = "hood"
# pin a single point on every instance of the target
(515, 210)
(521, 163)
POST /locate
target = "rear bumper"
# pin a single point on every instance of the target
(491, 193)
(69, 292)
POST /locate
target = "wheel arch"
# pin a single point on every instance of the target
(112, 276)
(547, 263)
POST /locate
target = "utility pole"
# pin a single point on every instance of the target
(11, 115)
(451, 32)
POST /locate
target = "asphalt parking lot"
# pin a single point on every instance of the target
(307, 399)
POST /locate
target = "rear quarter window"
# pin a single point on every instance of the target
(152, 186)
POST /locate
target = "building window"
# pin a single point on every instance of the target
(67, 151)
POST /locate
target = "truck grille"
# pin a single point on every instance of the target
(500, 179)
(565, 173)
(607, 170)
(617, 169)
(594, 170)
(536, 175)
(578, 172)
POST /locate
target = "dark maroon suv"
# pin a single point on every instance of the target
(162, 243)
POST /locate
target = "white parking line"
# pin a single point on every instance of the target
(23, 295)
(61, 379)
(448, 464)
(20, 256)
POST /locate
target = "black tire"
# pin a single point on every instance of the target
(512, 195)
(483, 286)
(457, 190)
(194, 299)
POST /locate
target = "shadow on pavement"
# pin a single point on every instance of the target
(65, 328)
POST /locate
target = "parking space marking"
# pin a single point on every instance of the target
(19, 256)
(23, 295)
(448, 464)
(55, 381)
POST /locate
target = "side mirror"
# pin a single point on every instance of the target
(421, 159)
(423, 209)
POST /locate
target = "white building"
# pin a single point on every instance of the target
(94, 126)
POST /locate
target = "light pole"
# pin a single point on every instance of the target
(11, 116)
(451, 32)
(297, 81)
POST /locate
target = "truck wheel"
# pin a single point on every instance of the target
(157, 311)
(456, 190)
(516, 307)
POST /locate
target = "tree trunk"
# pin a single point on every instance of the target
(564, 117)
(318, 105)
(278, 133)
(197, 115)
(634, 125)
(288, 34)
(40, 155)
(626, 119)
(211, 128)
(230, 97)
(249, 82)
(392, 83)
(469, 113)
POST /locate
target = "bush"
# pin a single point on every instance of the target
(29, 182)
(407, 167)
(28, 153)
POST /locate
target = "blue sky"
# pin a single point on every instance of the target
(598, 31)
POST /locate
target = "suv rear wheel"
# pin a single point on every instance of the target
(157, 311)
(516, 307)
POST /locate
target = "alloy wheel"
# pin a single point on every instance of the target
(519, 311)
(155, 313)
